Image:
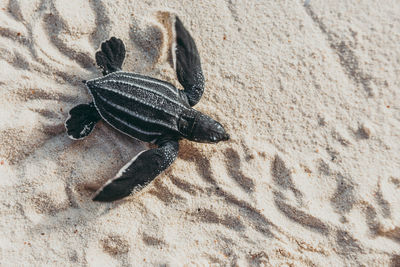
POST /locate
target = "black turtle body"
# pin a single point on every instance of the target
(141, 107)
(147, 109)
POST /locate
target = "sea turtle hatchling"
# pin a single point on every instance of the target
(147, 109)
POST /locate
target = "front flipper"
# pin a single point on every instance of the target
(111, 56)
(141, 170)
(81, 121)
(188, 66)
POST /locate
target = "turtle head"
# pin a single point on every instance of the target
(202, 128)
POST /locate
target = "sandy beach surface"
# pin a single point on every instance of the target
(309, 93)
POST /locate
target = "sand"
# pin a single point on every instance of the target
(309, 94)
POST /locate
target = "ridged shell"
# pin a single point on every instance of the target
(141, 107)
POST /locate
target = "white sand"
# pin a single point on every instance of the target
(310, 96)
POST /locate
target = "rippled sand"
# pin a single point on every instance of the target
(309, 95)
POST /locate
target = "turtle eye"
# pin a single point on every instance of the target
(185, 125)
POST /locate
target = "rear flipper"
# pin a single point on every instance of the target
(111, 56)
(81, 121)
(141, 170)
